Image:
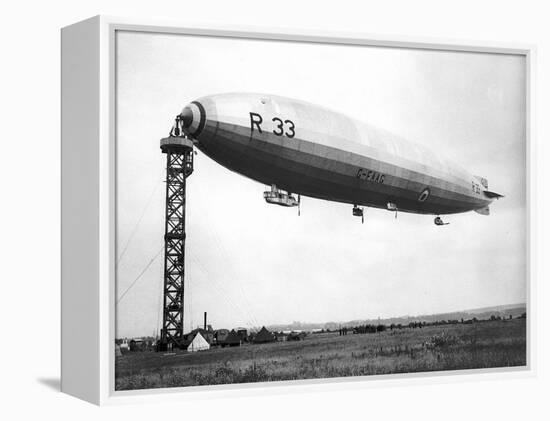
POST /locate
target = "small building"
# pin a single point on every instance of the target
(220, 335)
(232, 339)
(136, 344)
(243, 334)
(206, 334)
(280, 336)
(198, 343)
(263, 336)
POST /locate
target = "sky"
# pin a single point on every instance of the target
(251, 264)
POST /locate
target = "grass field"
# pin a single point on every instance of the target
(433, 348)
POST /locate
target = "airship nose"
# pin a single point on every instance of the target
(193, 119)
(186, 117)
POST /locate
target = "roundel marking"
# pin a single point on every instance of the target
(424, 195)
(197, 124)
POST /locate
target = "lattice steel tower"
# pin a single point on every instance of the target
(179, 166)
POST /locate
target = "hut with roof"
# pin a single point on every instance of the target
(243, 334)
(280, 336)
(263, 336)
(220, 335)
(232, 339)
(205, 333)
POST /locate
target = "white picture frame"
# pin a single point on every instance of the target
(88, 204)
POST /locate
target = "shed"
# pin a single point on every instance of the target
(280, 336)
(220, 335)
(232, 339)
(243, 334)
(137, 344)
(206, 334)
(263, 336)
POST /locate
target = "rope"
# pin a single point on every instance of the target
(134, 230)
(159, 301)
(222, 252)
(189, 301)
(220, 289)
(140, 274)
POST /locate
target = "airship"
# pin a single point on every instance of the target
(301, 149)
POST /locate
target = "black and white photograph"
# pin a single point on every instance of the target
(291, 210)
(302, 210)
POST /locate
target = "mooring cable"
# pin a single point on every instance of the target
(140, 274)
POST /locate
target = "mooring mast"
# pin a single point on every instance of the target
(179, 166)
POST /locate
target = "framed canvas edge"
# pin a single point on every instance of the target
(107, 187)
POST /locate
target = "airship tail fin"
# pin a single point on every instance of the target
(492, 194)
(486, 192)
(483, 211)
